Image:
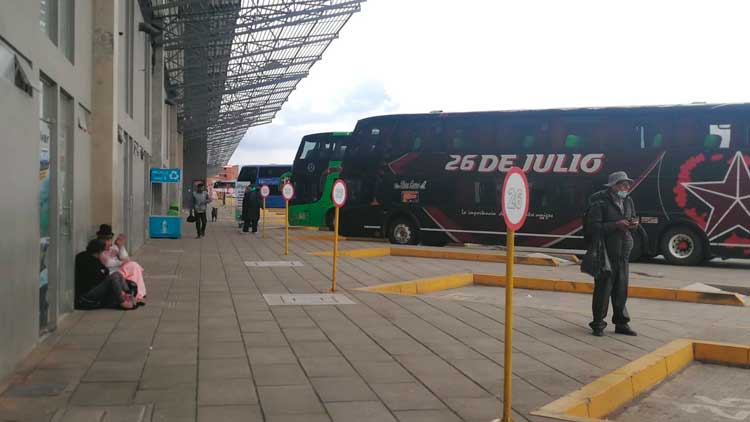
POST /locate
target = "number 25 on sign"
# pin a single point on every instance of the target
(515, 207)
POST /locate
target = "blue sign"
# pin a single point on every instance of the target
(162, 226)
(159, 175)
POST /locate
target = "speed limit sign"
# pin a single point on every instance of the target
(265, 191)
(515, 199)
(287, 191)
(339, 193)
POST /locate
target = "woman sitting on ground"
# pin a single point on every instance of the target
(95, 287)
(115, 257)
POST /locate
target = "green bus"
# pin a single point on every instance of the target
(316, 166)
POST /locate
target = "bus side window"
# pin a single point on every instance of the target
(525, 135)
(650, 135)
(576, 133)
(462, 135)
(719, 136)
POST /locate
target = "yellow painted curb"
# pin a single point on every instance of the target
(614, 390)
(424, 285)
(641, 292)
(441, 254)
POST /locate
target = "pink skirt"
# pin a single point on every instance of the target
(132, 271)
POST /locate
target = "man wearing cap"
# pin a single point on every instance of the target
(612, 218)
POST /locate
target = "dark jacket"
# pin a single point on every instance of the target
(603, 215)
(89, 272)
(251, 205)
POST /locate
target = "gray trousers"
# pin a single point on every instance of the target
(107, 294)
(614, 287)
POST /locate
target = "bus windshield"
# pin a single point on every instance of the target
(317, 164)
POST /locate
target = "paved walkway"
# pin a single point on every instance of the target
(207, 347)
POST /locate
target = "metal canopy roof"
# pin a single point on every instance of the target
(231, 64)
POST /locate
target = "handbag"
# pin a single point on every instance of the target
(191, 217)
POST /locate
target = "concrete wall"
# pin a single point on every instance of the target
(19, 120)
(97, 156)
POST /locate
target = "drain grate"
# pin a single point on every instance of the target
(274, 264)
(307, 299)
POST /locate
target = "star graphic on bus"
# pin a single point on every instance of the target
(728, 199)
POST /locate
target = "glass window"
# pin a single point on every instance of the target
(67, 29)
(147, 85)
(577, 133)
(269, 172)
(48, 21)
(248, 174)
(307, 147)
(653, 134)
(719, 136)
(526, 134)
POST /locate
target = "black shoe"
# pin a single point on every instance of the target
(625, 330)
(598, 332)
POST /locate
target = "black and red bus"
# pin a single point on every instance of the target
(436, 178)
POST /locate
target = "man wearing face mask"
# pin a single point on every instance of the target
(612, 217)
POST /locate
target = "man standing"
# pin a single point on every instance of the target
(611, 219)
(201, 199)
(250, 209)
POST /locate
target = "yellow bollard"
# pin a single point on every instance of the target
(286, 228)
(508, 370)
(335, 247)
(263, 229)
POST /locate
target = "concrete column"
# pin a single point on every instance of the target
(158, 204)
(104, 111)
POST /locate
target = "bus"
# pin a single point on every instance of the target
(260, 174)
(224, 187)
(316, 166)
(436, 178)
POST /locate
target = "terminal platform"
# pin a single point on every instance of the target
(233, 331)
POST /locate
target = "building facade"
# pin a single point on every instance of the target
(84, 114)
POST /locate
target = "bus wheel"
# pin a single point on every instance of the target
(403, 232)
(682, 246)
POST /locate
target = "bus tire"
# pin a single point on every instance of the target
(403, 231)
(681, 245)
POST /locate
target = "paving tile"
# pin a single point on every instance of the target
(304, 334)
(407, 396)
(342, 389)
(226, 392)
(327, 367)
(221, 350)
(283, 374)
(299, 417)
(426, 416)
(113, 371)
(223, 368)
(289, 399)
(262, 327)
(475, 409)
(383, 372)
(360, 411)
(270, 355)
(264, 339)
(175, 341)
(234, 413)
(160, 377)
(163, 357)
(104, 394)
(315, 349)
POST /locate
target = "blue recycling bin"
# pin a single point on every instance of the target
(164, 226)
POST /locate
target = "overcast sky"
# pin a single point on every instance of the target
(414, 56)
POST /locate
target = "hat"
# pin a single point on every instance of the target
(105, 230)
(617, 177)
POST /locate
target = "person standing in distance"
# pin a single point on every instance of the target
(612, 218)
(201, 199)
(250, 208)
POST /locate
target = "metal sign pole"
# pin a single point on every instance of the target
(286, 227)
(335, 248)
(263, 228)
(507, 368)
